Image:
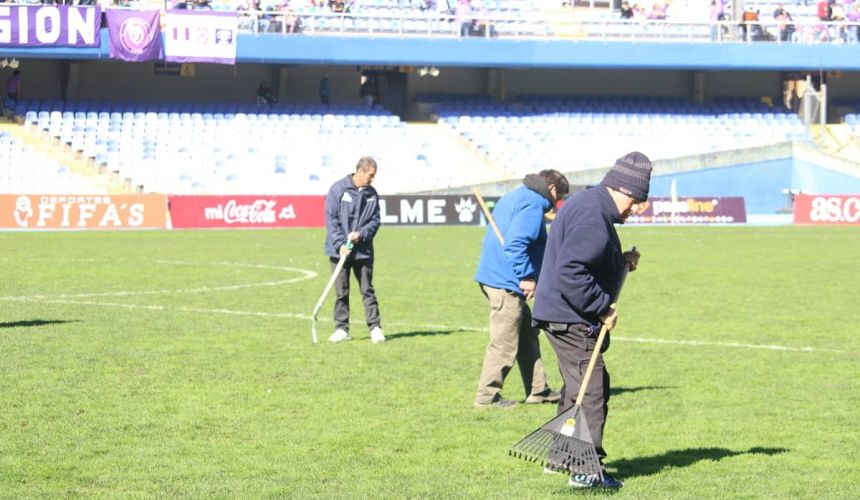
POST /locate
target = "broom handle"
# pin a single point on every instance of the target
(603, 329)
(489, 216)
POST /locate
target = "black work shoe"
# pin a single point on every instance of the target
(547, 396)
(499, 402)
(593, 481)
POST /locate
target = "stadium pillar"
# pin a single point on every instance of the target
(72, 75)
(699, 86)
(495, 86)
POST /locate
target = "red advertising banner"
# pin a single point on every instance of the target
(67, 211)
(692, 210)
(827, 209)
(246, 211)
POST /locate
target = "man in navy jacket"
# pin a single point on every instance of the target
(352, 218)
(580, 279)
(507, 273)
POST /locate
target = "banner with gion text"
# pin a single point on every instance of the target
(49, 25)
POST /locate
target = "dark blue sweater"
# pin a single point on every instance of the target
(348, 209)
(583, 263)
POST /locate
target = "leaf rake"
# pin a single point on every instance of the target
(564, 443)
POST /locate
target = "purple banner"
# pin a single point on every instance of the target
(53, 25)
(692, 210)
(135, 35)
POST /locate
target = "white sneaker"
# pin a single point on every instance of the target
(376, 335)
(339, 335)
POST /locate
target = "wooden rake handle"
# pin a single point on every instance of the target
(602, 335)
(489, 216)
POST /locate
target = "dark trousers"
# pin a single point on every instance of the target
(573, 349)
(363, 271)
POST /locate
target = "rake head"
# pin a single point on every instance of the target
(562, 444)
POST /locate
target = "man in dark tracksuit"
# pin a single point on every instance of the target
(582, 270)
(352, 220)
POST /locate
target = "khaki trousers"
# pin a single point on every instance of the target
(511, 338)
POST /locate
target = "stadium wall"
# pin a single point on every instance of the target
(120, 81)
(761, 184)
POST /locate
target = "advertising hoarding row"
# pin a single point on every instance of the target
(154, 211)
(827, 209)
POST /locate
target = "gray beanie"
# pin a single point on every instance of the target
(631, 175)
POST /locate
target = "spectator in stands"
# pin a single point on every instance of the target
(837, 15)
(658, 11)
(265, 94)
(750, 27)
(481, 25)
(259, 21)
(464, 17)
(368, 90)
(202, 5)
(853, 17)
(292, 22)
(507, 274)
(823, 10)
(716, 15)
(626, 11)
(352, 220)
(13, 87)
(325, 90)
(784, 23)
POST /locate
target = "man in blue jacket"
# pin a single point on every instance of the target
(580, 279)
(352, 216)
(507, 273)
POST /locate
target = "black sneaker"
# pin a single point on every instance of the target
(593, 481)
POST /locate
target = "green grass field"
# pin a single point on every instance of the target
(180, 364)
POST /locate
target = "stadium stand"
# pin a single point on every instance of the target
(578, 133)
(244, 148)
(25, 169)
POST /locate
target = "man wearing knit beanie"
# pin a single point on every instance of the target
(580, 279)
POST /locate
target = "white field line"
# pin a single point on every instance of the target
(430, 326)
(304, 274)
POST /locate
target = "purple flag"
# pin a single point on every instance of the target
(49, 25)
(135, 35)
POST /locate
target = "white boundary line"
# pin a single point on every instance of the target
(74, 299)
(264, 314)
(304, 274)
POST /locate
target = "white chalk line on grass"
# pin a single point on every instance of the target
(429, 326)
(304, 274)
(769, 347)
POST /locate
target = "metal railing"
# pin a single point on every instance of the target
(410, 23)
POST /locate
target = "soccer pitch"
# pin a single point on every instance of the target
(180, 364)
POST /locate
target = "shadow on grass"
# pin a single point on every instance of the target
(621, 390)
(36, 322)
(647, 466)
(420, 333)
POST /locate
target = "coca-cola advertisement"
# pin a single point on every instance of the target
(246, 211)
(827, 209)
